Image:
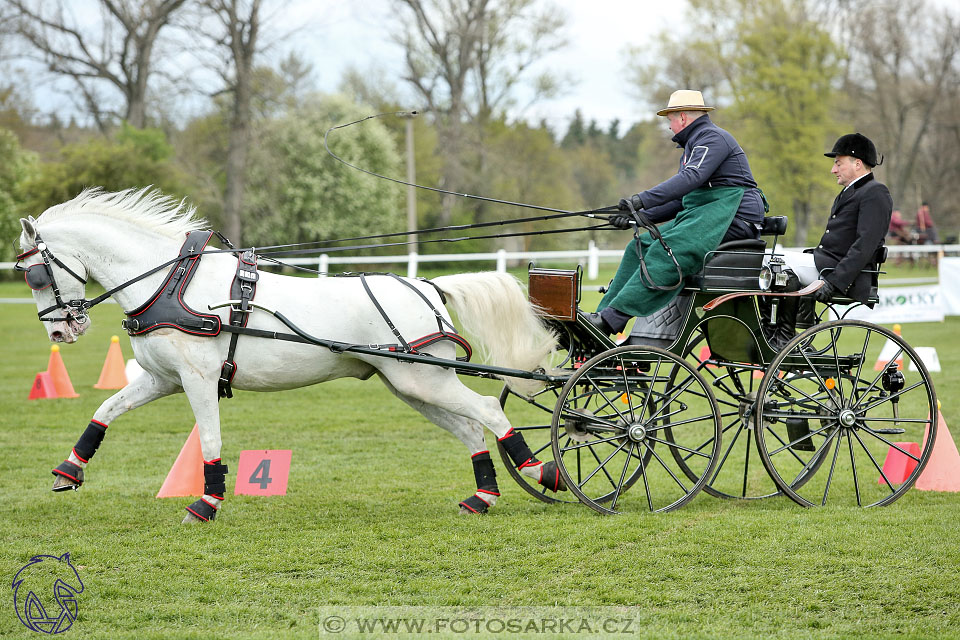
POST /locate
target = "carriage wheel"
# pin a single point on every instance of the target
(739, 473)
(624, 402)
(865, 434)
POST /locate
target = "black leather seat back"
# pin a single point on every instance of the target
(733, 266)
(774, 226)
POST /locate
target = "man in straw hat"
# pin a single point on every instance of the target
(858, 223)
(712, 198)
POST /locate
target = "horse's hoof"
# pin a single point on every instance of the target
(550, 477)
(473, 505)
(191, 519)
(67, 476)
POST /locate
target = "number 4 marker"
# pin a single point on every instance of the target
(263, 473)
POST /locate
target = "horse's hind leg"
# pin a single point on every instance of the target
(202, 393)
(443, 389)
(470, 433)
(145, 388)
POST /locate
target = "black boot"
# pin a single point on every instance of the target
(597, 321)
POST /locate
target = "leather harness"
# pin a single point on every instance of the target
(166, 309)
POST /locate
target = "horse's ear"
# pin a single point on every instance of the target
(65, 557)
(29, 229)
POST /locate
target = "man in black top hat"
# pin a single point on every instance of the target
(857, 226)
(858, 222)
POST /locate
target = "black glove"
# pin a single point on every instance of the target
(621, 220)
(634, 200)
(826, 292)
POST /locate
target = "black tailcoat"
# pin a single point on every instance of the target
(858, 223)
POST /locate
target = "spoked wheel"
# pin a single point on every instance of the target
(632, 407)
(739, 472)
(532, 417)
(834, 421)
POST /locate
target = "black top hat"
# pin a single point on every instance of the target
(856, 145)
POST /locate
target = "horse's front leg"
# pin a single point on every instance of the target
(202, 393)
(145, 388)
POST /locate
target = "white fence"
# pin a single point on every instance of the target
(590, 258)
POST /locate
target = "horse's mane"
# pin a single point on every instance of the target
(147, 208)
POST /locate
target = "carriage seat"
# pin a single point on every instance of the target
(735, 265)
(879, 257)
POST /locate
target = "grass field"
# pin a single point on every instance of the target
(370, 518)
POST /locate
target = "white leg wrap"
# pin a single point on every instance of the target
(534, 472)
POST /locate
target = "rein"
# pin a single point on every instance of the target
(644, 222)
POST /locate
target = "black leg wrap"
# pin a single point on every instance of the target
(475, 504)
(71, 472)
(516, 447)
(90, 441)
(214, 478)
(203, 510)
(550, 477)
(485, 474)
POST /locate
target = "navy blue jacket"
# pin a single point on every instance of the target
(711, 158)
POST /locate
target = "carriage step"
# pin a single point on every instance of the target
(892, 431)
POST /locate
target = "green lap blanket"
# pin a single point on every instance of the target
(697, 230)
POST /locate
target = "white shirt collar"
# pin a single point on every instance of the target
(854, 181)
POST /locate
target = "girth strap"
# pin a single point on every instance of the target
(244, 288)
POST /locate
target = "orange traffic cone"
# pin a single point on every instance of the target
(942, 472)
(705, 355)
(186, 474)
(113, 374)
(58, 373)
(43, 387)
(886, 354)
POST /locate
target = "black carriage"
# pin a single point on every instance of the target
(733, 389)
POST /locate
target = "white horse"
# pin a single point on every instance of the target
(114, 237)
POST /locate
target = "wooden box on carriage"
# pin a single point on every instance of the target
(555, 292)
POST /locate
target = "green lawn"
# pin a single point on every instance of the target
(370, 518)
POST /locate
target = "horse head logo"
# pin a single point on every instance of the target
(37, 608)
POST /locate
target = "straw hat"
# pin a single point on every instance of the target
(685, 100)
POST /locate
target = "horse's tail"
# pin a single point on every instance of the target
(493, 309)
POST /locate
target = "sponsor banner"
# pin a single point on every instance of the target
(950, 283)
(904, 304)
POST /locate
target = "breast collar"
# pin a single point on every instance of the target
(166, 308)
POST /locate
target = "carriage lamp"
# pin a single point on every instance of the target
(893, 382)
(773, 274)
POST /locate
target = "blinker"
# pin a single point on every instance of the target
(37, 276)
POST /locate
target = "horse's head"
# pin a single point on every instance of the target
(58, 281)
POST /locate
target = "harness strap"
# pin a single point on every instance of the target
(440, 319)
(166, 307)
(429, 339)
(243, 288)
(383, 314)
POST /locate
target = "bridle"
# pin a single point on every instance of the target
(40, 276)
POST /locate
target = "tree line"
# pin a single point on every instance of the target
(789, 78)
